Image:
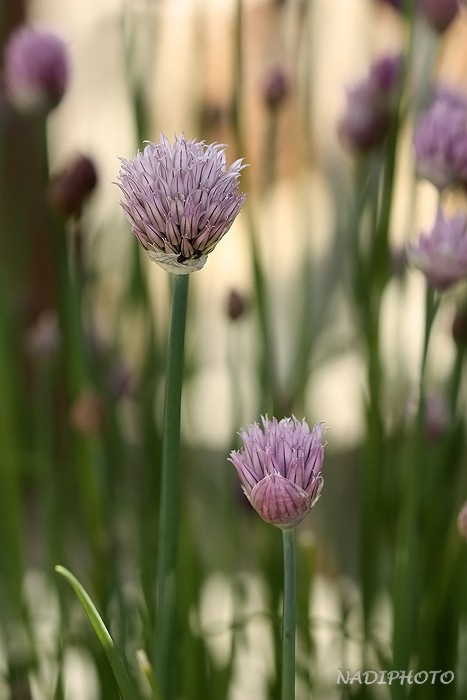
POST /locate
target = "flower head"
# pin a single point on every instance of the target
(36, 69)
(280, 468)
(440, 142)
(180, 199)
(441, 254)
(371, 103)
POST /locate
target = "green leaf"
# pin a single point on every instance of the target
(126, 687)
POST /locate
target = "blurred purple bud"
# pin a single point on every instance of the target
(276, 87)
(439, 13)
(280, 469)
(441, 254)
(43, 337)
(236, 305)
(371, 104)
(180, 200)
(385, 75)
(69, 189)
(365, 124)
(36, 69)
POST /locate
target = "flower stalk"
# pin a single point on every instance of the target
(289, 619)
(408, 564)
(170, 493)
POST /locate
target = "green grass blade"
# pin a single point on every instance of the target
(127, 689)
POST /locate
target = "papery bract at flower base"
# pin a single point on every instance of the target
(180, 199)
(36, 69)
(442, 254)
(280, 468)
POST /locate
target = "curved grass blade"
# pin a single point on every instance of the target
(126, 687)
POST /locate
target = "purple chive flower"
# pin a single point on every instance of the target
(371, 104)
(180, 200)
(280, 469)
(441, 254)
(36, 69)
(440, 142)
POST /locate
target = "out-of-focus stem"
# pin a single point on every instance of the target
(408, 564)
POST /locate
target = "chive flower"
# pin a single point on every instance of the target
(441, 254)
(180, 200)
(280, 468)
(440, 141)
(371, 105)
(36, 69)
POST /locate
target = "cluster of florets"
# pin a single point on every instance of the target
(440, 147)
(279, 468)
(440, 140)
(180, 200)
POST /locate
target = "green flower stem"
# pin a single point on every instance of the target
(289, 617)
(11, 535)
(170, 493)
(406, 594)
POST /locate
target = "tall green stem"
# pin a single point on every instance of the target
(407, 583)
(289, 617)
(170, 493)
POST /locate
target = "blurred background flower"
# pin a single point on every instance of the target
(36, 69)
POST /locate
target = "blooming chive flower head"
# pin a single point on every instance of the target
(440, 142)
(36, 69)
(180, 200)
(441, 254)
(280, 469)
